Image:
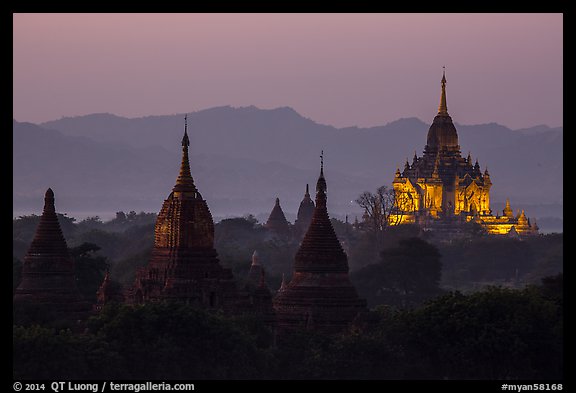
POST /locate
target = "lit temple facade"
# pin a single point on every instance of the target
(443, 188)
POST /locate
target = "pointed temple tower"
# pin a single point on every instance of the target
(320, 295)
(277, 222)
(304, 217)
(184, 264)
(442, 189)
(48, 273)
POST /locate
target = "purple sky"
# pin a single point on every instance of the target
(337, 69)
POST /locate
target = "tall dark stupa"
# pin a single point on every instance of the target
(48, 274)
(320, 295)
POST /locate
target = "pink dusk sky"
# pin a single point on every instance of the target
(337, 69)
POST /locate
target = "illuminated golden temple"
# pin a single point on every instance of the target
(442, 189)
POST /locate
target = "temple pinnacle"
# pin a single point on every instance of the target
(185, 139)
(443, 108)
(321, 186)
(184, 182)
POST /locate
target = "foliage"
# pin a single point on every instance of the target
(379, 209)
(475, 262)
(498, 333)
(124, 271)
(90, 223)
(46, 353)
(90, 269)
(236, 239)
(405, 276)
(117, 238)
(494, 334)
(177, 341)
(125, 221)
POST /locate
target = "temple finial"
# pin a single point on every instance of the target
(185, 139)
(321, 186)
(307, 194)
(443, 108)
(49, 201)
(184, 182)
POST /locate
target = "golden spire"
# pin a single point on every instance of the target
(443, 108)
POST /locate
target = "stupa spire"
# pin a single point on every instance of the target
(48, 236)
(320, 283)
(320, 249)
(185, 182)
(443, 108)
(321, 186)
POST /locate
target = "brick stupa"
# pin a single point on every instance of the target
(184, 265)
(48, 273)
(320, 295)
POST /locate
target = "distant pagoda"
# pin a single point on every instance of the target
(277, 223)
(442, 189)
(48, 273)
(304, 216)
(320, 295)
(184, 264)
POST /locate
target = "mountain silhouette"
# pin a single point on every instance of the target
(243, 158)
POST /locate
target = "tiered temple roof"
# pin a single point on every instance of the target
(441, 190)
(320, 295)
(48, 273)
(184, 264)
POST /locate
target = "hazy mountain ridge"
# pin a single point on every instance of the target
(242, 158)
